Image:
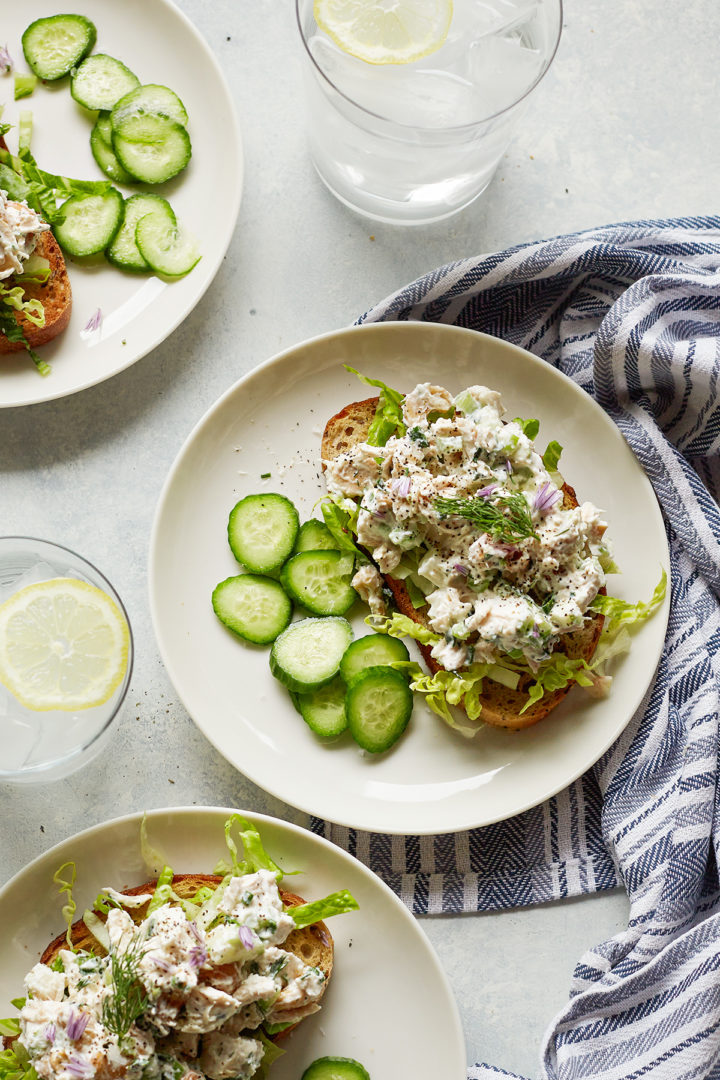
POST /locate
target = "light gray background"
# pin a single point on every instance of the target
(623, 127)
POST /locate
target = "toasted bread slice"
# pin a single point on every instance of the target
(312, 944)
(501, 706)
(55, 296)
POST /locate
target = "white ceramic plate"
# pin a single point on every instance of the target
(271, 421)
(388, 1004)
(139, 311)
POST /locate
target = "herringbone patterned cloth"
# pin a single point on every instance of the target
(631, 312)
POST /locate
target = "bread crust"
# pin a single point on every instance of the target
(55, 296)
(501, 706)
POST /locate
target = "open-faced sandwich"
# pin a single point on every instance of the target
(474, 537)
(35, 292)
(191, 975)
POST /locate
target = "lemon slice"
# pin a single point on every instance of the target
(385, 31)
(63, 645)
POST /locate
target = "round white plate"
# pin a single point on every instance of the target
(388, 1004)
(434, 780)
(160, 45)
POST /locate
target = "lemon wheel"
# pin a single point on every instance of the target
(385, 31)
(63, 645)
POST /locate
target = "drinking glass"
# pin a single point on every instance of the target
(47, 745)
(414, 143)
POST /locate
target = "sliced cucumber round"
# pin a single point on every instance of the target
(101, 80)
(102, 151)
(151, 148)
(262, 531)
(335, 1068)
(123, 251)
(323, 710)
(168, 249)
(150, 98)
(320, 581)
(373, 650)
(307, 655)
(314, 535)
(255, 608)
(54, 45)
(379, 703)
(91, 222)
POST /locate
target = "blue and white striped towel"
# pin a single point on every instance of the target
(631, 312)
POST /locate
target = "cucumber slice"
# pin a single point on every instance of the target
(314, 536)
(379, 703)
(320, 581)
(123, 251)
(150, 98)
(91, 222)
(151, 148)
(373, 650)
(253, 607)
(54, 45)
(335, 1068)
(102, 151)
(323, 710)
(262, 531)
(168, 248)
(307, 655)
(101, 80)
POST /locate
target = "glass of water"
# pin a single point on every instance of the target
(416, 142)
(50, 743)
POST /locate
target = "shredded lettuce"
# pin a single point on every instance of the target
(14, 297)
(153, 859)
(272, 1053)
(256, 857)
(388, 419)
(66, 886)
(341, 523)
(97, 928)
(621, 612)
(530, 427)
(551, 457)
(15, 1063)
(336, 903)
(400, 626)
(9, 1027)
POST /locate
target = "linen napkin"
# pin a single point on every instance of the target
(631, 312)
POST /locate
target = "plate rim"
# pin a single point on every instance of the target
(330, 849)
(551, 788)
(237, 157)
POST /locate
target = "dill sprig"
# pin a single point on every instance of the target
(128, 998)
(506, 518)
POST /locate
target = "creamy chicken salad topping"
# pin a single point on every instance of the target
(171, 999)
(464, 508)
(20, 228)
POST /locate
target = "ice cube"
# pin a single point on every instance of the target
(502, 70)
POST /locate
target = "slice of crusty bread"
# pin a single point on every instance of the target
(55, 296)
(312, 944)
(500, 705)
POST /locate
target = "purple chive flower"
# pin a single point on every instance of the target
(546, 498)
(161, 963)
(198, 956)
(94, 322)
(247, 937)
(461, 569)
(401, 486)
(77, 1022)
(508, 467)
(195, 932)
(484, 492)
(6, 60)
(49, 1033)
(80, 1067)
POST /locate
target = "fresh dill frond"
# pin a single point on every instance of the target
(506, 518)
(128, 998)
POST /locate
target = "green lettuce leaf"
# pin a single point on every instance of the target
(66, 886)
(388, 418)
(400, 626)
(551, 457)
(256, 857)
(530, 427)
(336, 903)
(15, 1064)
(341, 523)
